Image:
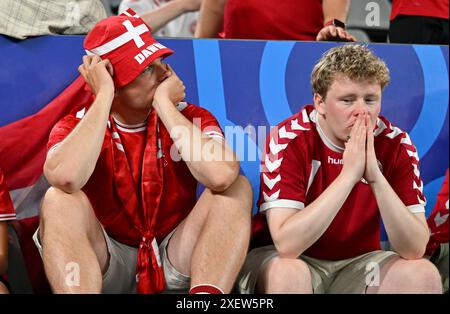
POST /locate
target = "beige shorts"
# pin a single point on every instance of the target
(120, 277)
(343, 276)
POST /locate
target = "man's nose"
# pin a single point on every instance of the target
(360, 107)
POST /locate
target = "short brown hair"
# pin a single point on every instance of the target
(357, 62)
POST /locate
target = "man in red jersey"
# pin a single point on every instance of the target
(271, 19)
(7, 213)
(329, 173)
(122, 213)
(419, 22)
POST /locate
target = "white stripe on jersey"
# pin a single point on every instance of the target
(80, 114)
(181, 105)
(315, 165)
(282, 204)
(272, 166)
(4, 217)
(415, 209)
(271, 182)
(272, 197)
(395, 131)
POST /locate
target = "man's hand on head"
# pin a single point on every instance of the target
(172, 89)
(98, 74)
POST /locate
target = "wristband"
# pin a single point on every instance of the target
(336, 23)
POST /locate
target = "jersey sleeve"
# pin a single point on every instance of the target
(66, 125)
(282, 180)
(203, 119)
(7, 211)
(61, 129)
(210, 126)
(405, 179)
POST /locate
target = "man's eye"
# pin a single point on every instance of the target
(147, 69)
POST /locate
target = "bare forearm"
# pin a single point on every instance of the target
(210, 161)
(335, 9)
(72, 162)
(159, 17)
(408, 234)
(210, 19)
(305, 227)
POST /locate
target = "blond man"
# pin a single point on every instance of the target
(329, 174)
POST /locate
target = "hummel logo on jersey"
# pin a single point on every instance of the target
(147, 52)
(335, 161)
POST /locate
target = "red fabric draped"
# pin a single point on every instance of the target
(149, 273)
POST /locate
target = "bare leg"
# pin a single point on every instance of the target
(210, 245)
(74, 248)
(3, 289)
(408, 276)
(283, 275)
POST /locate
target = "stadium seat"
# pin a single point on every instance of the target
(360, 35)
(370, 16)
(360, 14)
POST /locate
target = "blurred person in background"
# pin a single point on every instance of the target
(419, 22)
(271, 19)
(22, 19)
(167, 18)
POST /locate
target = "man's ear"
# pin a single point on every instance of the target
(319, 104)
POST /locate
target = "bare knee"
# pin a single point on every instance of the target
(3, 289)
(61, 209)
(283, 275)
(426, 276)
(243, 185)
(419, 276)
(241, 190)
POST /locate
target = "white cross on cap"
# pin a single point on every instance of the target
(132, 33)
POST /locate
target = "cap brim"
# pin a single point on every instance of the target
(128, 69)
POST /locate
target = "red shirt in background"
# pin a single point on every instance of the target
(431, 8)
(273, 19)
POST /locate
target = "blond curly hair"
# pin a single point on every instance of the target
(355, 61)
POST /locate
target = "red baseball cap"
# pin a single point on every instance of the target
(128, 44)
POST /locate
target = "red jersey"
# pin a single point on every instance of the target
(431, 8)
(7, 211)
(300, 163)
(438, 220)
(179, 193)
(273, 19)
